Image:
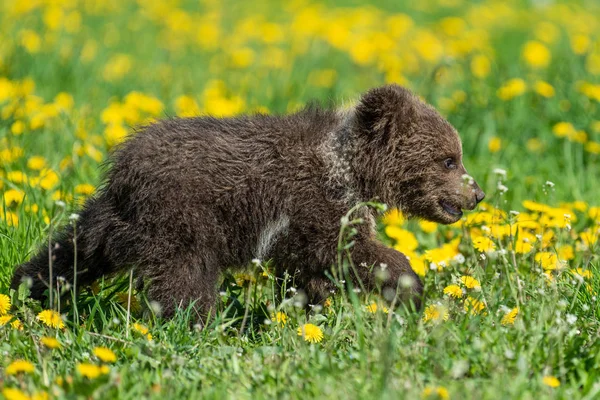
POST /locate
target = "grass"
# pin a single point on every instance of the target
(67, 73)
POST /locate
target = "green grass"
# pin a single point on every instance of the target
(362, 354)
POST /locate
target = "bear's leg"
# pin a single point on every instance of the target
(390, 270)
(181, 283)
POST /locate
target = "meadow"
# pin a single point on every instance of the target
(511, 307)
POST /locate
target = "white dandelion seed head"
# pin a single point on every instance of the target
(74, 217)
(571, 319)
(500, 172)
(468, 179)
(60, 203)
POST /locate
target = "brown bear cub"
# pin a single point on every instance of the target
(187, 198)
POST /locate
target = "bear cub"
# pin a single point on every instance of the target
(187, 198)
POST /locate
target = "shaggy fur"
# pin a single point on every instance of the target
(187, 198)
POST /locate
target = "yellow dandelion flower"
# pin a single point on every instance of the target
(328, 302)
(584, 273)
(105, 354)
(509, 317)
(551, 381)
(523, 246)
(439, 392)
(564, 129)
(14, 322)
(495, 145)
(453, 291)
(19, 366)
(483, 244)
(435, 313)
(544, 89)
(50, 342)
(405, 240)
(513, 88)
(51, 318)
(372, 308)
(13, 196)
(311, 333)
(142, 329)
(473, 306)
(91, 371)
(85, 189)
(393, 217)
(536, 54)
(428, 226)
(480, 66)
(279, 317)
(14, 394)
(548, 261)
(470, 282)
(36, 163)
(4, 304)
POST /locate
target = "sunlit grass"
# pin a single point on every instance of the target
(511, 306)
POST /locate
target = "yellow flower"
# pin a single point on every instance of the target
(509, 317)
(280, 317)
(143, 330)
(551, 381)
(311, 333)
(393, 217)
(36, 163)
(453, 291)
(4, 304)
(470, 282)
(548, 261)
(105, 354)
(536, 54)
(51, 318)
(435, 313)
(495, 144)
(428, 226)
(405, 240)
(584, 273)
(544, 89)
(5, 319)
(14, 394)
(373, 307)
(513, 88)
(483, 244)
(19, 366)
(580, 43)
(92, 371)
(564, 129)
(439, 393)
(473, 306)
(48, 179)
(17, 127)
(50, 342)
(115, 134)
(480, 66)
(85, 189)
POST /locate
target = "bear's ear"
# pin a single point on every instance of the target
(387, 111)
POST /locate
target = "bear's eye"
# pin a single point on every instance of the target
(449, 163)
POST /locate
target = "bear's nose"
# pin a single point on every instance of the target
(479, 194)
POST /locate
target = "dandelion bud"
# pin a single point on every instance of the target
(389, 294)
(156, 308)
(407, 281)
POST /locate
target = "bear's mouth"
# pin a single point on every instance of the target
(451, 209)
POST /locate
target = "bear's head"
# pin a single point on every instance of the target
(410, 157)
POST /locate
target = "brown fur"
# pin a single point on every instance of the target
(187, 198)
